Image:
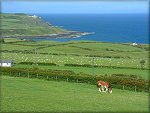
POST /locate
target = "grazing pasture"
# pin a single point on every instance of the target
(34, 95)
(62, 59)
(80, 53)
(10, 47)
(59, 53)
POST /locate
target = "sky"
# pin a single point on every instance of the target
(75, 7)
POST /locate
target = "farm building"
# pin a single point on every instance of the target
(6, 63)
(134, 44)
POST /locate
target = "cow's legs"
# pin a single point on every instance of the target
(99, 89)
(106, 88)
(103, 89)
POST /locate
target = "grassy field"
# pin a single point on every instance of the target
(61, 59)
(80, 52)
(92, 48)
(34, 95)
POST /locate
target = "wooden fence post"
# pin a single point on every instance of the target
(123, 86)
(47, 77)
(56, 77)
(77, 80)
(28, 74)
(67, 79)
(135, 88)
(37, 75)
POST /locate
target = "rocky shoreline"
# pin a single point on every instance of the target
(71, 34)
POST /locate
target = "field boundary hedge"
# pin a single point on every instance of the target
(119, 81)
(101, 66)
(38, 63)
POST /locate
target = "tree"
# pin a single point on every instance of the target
(142, 62)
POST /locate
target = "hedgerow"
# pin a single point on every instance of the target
(129, 82)
(38, 63)
(89, 65)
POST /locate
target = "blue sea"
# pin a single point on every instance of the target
(118, 28)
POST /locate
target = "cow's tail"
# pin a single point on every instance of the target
(110, 86)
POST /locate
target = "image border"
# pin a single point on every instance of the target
(76, 1)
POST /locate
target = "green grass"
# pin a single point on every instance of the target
(128, 51)
(61, 59)
(28, 95)
(98, 49)
(110, 46)
(11, 47)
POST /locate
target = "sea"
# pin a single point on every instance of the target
(116, 28)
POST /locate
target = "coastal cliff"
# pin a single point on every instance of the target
(23, 25)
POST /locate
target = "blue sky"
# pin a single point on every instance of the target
(26, 6)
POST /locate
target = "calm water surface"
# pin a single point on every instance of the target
(120, 28)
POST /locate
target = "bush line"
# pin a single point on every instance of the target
(120, 81)
(38, 63)
(89, 65)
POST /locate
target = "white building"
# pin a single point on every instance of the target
(6, 63)
(134, 44)
(34, 16)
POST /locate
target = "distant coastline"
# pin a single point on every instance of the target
(71, 34)
(29, 26)
(122, 28)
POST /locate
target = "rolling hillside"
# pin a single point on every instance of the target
(23, 24)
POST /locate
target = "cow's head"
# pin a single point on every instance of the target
(98, 85)
(110, 89)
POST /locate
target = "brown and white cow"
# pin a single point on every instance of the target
(105, 86)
